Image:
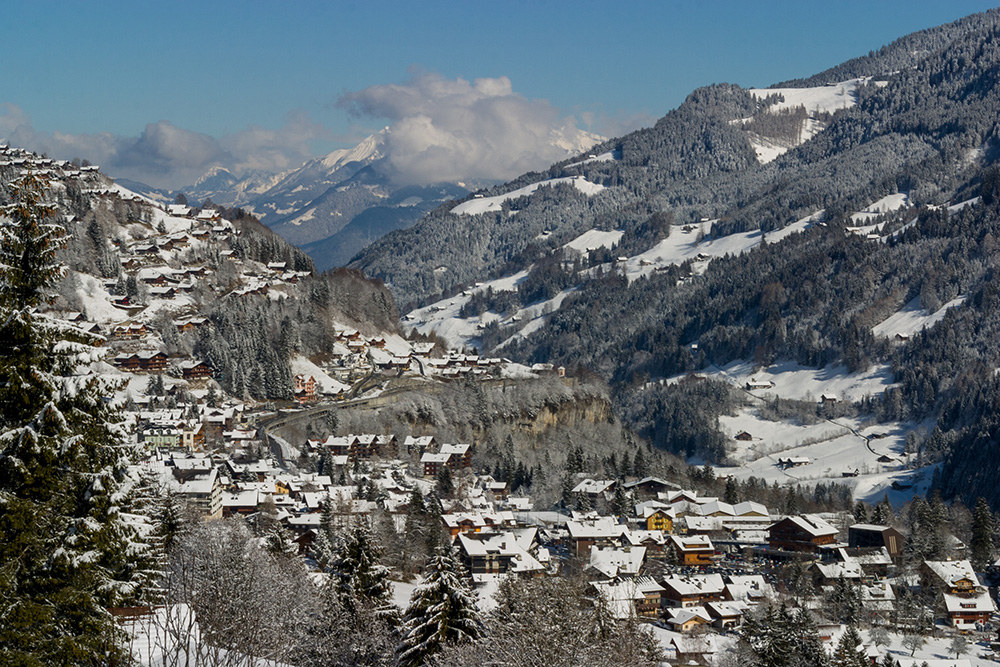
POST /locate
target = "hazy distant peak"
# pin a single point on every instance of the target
(370, 148)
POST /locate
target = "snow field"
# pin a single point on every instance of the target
(912, 318)
(480, 205)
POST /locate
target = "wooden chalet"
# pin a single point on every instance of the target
(693, 591)
(196, 370)
(693, 549)
(968, 611)
(152, 362)
(806, 533)
(950, 577)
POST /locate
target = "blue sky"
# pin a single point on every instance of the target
(170, 81)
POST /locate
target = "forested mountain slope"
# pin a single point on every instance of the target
(913, 131)
(810, 232)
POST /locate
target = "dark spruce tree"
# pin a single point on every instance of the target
(442, 611)
(62, 544)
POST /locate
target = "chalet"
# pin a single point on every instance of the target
(793, 461)
(595, 487)
(588, 533)
(196, 370)
(127, 362)
(952, 577)
(965, 611)
(693, 591)
(631, 597)
(749, 509)
(744, 436)
(693, 549)
(459, 455)
(656, 516)
(613, 562)
(159, 280)
(499, 553)
(753, 384)
(335, 445)
(862, 535)
(457, 524)
(827, 574)
(363, 446)
(874, 562)
(801, 533)
(475, 522)
(242, 502)
(687, 620)
(130, 331)
(152, 362)
(185, 326)
(674, 497)
(828, 399)
(208, 215)
(168, 292)
(653, 541)
(696, 649)
(200, 487)
(726, 615)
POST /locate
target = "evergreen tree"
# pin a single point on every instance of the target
(883, 515)
(445, 484)
(779, 637)
(847, 653)
(732, 493)
(983, 525)
(861, 512)
(62, 542)
(442, 611)
(640, 467)
(620, 503)
(324, 549)
(359, 575)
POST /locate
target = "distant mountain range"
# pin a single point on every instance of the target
(332, 206)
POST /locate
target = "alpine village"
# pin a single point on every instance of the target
(727, 402)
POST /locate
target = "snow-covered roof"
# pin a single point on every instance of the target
(980, 603)
(593, 486)
(952, 571)
(615, 561)
(692, 542)
(603, 527)
(703, 584)
(811, 524)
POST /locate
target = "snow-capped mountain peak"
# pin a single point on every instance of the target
(370, 148)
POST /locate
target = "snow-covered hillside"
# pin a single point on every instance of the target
(479, 204)
(817, 101)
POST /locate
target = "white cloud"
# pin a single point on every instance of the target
(167, 156)
(446, 130)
